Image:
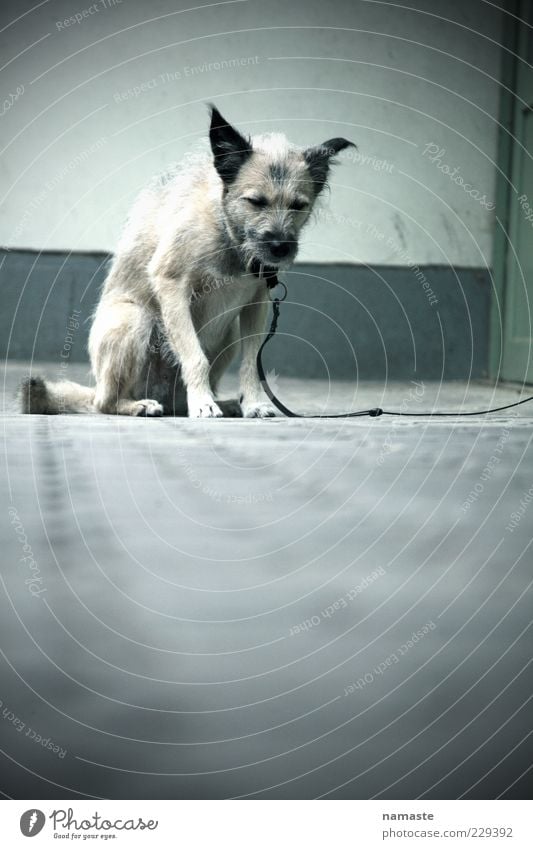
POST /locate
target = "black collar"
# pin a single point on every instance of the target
(269, 273)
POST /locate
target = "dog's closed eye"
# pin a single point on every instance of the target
(298, 205)
(258, 202)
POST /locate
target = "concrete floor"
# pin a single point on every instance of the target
(269, 609)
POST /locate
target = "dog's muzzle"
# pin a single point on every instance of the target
(278, 246)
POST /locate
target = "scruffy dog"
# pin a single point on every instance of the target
(188, 281)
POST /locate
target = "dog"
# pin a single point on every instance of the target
(188, 282)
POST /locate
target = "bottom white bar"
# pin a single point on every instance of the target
(265, 824)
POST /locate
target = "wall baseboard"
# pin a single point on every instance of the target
(346, 321)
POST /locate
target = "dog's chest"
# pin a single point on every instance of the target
(217, 303)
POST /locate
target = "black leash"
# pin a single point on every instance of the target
(272, 281)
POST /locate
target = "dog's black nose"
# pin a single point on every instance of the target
(277, 246)
(279, 249)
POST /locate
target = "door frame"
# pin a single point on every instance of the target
(508, 80)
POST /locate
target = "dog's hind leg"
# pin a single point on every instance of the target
(118, 345)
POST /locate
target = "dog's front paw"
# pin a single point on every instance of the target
(257, 410)
(203, 407)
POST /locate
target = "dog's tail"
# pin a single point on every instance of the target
(40, 396)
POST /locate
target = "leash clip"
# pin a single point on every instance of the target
(271, 290)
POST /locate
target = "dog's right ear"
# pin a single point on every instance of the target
(230, 149)
(319, 159)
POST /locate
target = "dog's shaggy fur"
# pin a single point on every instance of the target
(186, 285)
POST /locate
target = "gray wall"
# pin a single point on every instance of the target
(341, 321)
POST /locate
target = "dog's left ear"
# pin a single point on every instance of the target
(230, 149)
(319, 159)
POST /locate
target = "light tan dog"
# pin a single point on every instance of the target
(187, 283)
